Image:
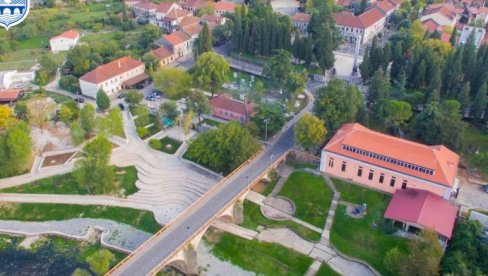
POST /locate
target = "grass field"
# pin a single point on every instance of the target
(169, 145)
(269, 187)
(326, 270)
(211, 122)
(143, 220)
(253, 218)
(359, 238)
(67, 184)
(311, 195)
(261, 257)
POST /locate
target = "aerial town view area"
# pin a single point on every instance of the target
(244, 137)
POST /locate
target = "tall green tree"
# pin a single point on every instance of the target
(393, 113)
(174, 82)
(308, 51)
(309, 131)
(204, 41)
(365, 67)
(379, 88)
(93, 172)
(100, 261)
(198, 102)
(271, 113)
(15, 149)
(324, 49)
(479, 103)
(87, 119)
(338, 103)
(434, 89)
(425, 255)
(211, 71)
(103, 101)
(279, 67)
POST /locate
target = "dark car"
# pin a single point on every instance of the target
(79, 100)
(121, 106)
(121, 95)
(485, 188)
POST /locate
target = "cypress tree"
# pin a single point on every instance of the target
(452, 39)
(398, 60)
(464, 95)
(479, 103)
(308, 51)
(419, 77)
(434, 90)
(365, 67)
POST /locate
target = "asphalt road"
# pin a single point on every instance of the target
(189, 223)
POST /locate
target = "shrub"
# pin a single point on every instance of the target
(142, 132)
(155, 144)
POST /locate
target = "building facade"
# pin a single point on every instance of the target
(113, 77)
(388, 163)
(364, 26)
(64, 41)
(224, 107)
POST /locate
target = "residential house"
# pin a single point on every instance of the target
(222, 7)
(180, 42)
(194, 5)
(300, 22)
(112, 77)
(417, 209)
(212, 20)
(10, 95)
(226, 108)
(285, 7)
(64, 41)
(165, 55)
(13, 78)
(443, 14)
(388, 163)
(145, 9)
(388, 7)
(364, 26)
(164, 17)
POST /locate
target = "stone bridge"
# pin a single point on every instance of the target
(12, 9)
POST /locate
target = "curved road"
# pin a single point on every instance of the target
(190, 222)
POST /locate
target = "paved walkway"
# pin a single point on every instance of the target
(284, 172)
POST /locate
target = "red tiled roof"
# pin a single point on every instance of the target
(177, 38)
(370, 17)
(9, 95)
(224, 6)
(189, 20)
(175, 14)
(196, 4)
(162, 52)
(111, 69)
(192, 30)
(135, 80)
(424, 208)
(344, 3)
(71, 34)
(447, 10)
(146, 5)
(440, 159)
(385, 5)
(445, 37)
(212, 18)
(301, 17)
(431, 25)
(347, 19)
(223, 101)
(165, 7)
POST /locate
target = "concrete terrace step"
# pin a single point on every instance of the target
(143, 188)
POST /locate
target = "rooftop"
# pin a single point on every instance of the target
(423, 208)
(10, 95)
(166, 7)
(301, 17)
(112, 69)
(224, 101)
(363, 21)
(437, 164)
(162, 52)
(177, 38)
(146, 5)
(71, 34)
(224, 6)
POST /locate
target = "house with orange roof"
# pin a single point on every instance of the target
(10, 95)
(222, 7)
(227, 108)
(64, 41)
(180, 42)
(388, 163)
(388, 7)
(194, 5)
(145, 8)
(164, 54)
(444, 14)
(212, 20)
(300, 22)
(364, 26)
(166, 13)
(114, 76)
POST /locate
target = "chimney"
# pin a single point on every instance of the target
(118, 63)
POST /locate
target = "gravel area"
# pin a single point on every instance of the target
(213, 266)
(116, 234)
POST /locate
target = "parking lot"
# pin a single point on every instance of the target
(472, 195)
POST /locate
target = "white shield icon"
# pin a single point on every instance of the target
(13, 12)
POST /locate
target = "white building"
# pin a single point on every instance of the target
(479, 34)
(112, 77)
(443, 14)
(364, 26)
(300, 22)
(64, 41)
(8, 79)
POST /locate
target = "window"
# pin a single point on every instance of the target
(343, 167)
(382, 178)
(370, 176)
(360, 171)
(392, 181)
(404, 184)
(331, 162)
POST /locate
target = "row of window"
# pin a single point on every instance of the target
(389, 160)
(352, 29)
(381, 179)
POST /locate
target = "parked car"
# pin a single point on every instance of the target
(80, 100)
(121, 106)
(121, 95)
(485, 187)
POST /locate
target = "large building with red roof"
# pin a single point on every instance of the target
(389, 163)
(112, 77)
(364, 26)
(226, 108)
(418, 209)
(64, 41)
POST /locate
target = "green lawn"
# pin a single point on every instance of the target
(261, 257)
(358, 237)
(169, 145)
(301, 165)
(58, 98)
(311, 195)
(66, 184)
(269, 187)
(326, 270)
(143, 220)
(253, 218)
(34, 42)
(475, 138)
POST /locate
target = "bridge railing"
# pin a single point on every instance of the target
(157, 234)
(165, 262)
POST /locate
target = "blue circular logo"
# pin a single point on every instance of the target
(13, 12)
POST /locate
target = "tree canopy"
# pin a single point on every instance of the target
(309, 131)
(174, 82)
(211, 71)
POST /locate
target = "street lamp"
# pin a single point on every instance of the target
(266, 121)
